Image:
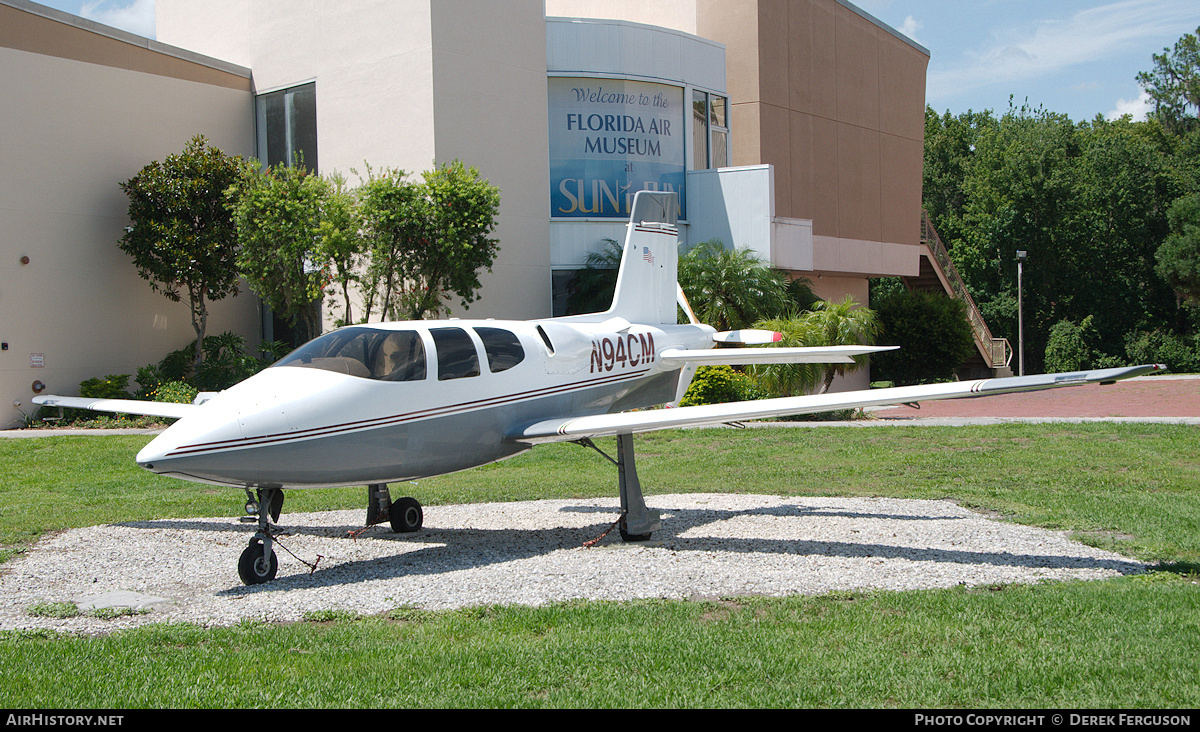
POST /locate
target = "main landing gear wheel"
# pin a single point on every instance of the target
(254, 567)
(406, 515)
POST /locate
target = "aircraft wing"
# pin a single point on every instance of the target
(601, 425)
(120, 406)
(705, 356)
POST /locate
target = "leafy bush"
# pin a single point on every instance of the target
(719, 384)
(1180, 353)
(113, 386)
(225, 363)
(1071, 346)
(177, 392)
(932, 331)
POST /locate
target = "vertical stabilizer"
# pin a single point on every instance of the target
(646, 281)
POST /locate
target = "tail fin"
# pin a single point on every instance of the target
(646, 281)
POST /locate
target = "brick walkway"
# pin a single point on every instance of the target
(1149, 396)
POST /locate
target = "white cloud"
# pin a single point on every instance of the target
(1047, 46)
(1137, 108)
(135, 17)
(910, 26)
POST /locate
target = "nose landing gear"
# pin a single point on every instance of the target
(258, 562)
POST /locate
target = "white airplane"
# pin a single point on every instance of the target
(386, 402)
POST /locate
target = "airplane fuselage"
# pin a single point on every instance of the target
(397, 401)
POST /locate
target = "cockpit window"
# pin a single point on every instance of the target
(502, 347)
(457, 357)
(370, 353)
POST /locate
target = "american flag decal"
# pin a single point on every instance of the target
(646, 255)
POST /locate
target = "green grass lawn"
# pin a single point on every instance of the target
(1127, 642)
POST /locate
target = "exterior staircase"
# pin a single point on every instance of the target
(938, 274)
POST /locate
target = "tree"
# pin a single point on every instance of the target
(843, 323)
(1174, 84)
(461, 215)
(827, 324)
(932, 332)
(790, 379)
(1125, 188)
(950, 143)
(1023, 194)
(730, 289)
(181, 236)
(340, 243)
(390, 207)
(1179, 256)
(428, 240)
(277, 212)
(1070, 347)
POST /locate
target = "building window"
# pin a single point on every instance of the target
(710, 130)
(287, 126)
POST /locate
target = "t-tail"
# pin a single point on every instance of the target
(646, 281)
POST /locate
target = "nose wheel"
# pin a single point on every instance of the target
(258, 562)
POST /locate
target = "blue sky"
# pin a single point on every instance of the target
(1078, 57)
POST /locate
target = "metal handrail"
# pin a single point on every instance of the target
(999, 349)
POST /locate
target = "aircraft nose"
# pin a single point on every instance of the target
(187, 436)
(151, 454)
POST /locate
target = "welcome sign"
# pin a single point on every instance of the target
(609, 139)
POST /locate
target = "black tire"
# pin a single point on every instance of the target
(254, 568)
(406, 515)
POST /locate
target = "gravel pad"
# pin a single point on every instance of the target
(533, 553)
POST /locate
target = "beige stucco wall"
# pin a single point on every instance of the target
(404, 84)
(71, 130)
(836, 102)
(677, 14)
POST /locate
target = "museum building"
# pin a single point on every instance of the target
(790, 127)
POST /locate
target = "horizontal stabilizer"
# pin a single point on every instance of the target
(708, 356)
(602, 425)
(748, 336)
(120, 406)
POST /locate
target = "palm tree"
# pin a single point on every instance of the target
(591, 289)
(827, 324)
(790, 379)
(844, 324)
(730, 289)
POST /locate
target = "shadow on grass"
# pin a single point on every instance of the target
(1183, 569)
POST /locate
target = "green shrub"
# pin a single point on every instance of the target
(113, 386)
(225, 363)
(1071, 346)
(932, 331)
(1180, 353)
(719, 384)
(178, 392)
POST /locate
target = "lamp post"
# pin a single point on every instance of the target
(1021, 256)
